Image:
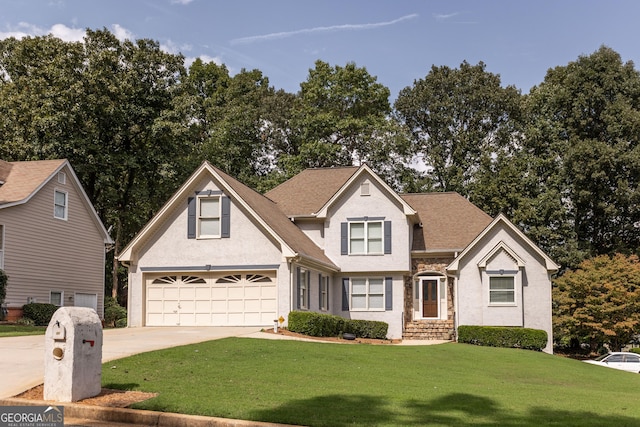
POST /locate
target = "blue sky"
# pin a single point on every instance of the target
(397, 41)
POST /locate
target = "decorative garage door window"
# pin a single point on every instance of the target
(188, 280)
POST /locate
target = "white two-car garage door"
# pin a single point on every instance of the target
(241, 299)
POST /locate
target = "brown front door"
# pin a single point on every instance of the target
(430, 298)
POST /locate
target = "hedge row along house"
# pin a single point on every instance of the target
(338, 241)
(52, 242)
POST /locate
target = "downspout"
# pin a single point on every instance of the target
(522, 295)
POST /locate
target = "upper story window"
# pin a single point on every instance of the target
(502, 290)
(60, 202)
(365, 238)
(209, 217)
(62, 178)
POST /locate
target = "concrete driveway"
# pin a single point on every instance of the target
(22, 358)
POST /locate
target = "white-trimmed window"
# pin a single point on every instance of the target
(56, 298)
(365, 238)
(304, 279)
(324, 293)
(60, 204)
(209, 213)
(502, 290)
(1, 247)
(367, 294)
(62, 178)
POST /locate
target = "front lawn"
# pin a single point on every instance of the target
(320, 384)
(18, 330)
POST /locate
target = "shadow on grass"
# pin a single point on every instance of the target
(121, 386)
(458, 409)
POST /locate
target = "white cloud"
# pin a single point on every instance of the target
(204, 58)
(444, 16)
(345, 27)
(67, 34)
(171, 47)
(183, 2)
(122, 33)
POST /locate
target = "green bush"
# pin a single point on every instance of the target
(510, 337)
(635, 350)
(114, 313)
(327, 325)
(315, 324)
(367, 328)
(3, 290)
(40, 313)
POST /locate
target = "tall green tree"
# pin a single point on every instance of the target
(582, 145)
(459, 119)
(337, 114)
(106, 106)
(599, 302)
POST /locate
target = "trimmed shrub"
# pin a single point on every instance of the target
(509, 337)
(327, 325)
(315, 324)
(25, 321)
(3, 291)
(114, 313)
(367, 328)
(40, 313)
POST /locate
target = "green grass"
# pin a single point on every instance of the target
(320, 384)
(17, 330)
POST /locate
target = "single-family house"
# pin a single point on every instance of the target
(52, 242)
(338, 241)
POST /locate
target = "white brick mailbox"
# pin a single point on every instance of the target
(73, 355)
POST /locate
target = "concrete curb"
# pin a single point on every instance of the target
(138, 416)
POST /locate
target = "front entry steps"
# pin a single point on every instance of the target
(429, 330)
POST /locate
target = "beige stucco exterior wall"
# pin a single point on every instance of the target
(44, 254)
(168, 249)
(532, 308)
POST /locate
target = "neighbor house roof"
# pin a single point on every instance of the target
(20, 181)
(449, 222)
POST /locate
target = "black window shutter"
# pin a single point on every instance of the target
(328, 294)
(387, 237)
(225, 230)
(191, 218)
(344, 238)
(388, 293)
(345, 294)
(319, 290)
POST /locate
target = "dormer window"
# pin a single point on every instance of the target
(209, 217)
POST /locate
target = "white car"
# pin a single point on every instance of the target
(619, 360)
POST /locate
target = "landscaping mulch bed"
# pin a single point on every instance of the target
(286, 332)
(107, 397)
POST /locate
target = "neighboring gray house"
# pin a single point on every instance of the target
(52, 243)
(337, 241)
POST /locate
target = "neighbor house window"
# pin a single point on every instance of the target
(502, 290)
(365, 238)
(55, 298)
(367, 294)
(324, 293)
(62, 178)
(60, 200)
(208, 217)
